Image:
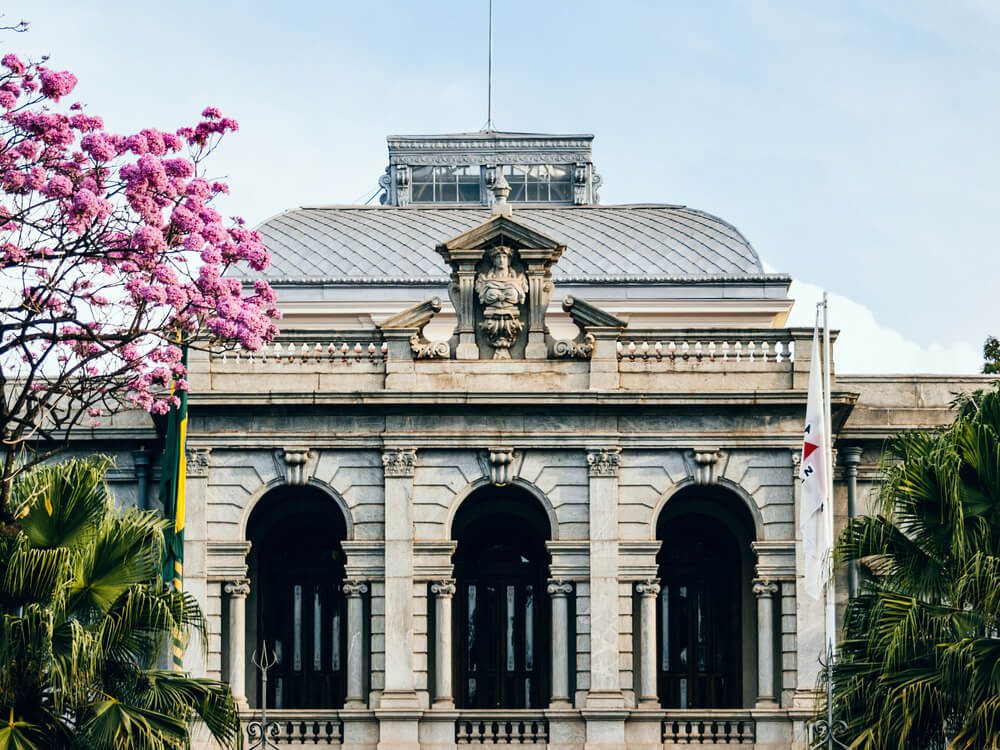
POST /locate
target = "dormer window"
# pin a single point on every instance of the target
(446, 185)
(539, 183)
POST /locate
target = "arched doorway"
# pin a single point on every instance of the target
(502, 611)
(705, 634)
(297, 569)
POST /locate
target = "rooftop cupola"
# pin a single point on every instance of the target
(461, 169)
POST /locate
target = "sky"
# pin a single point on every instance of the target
(854, 143)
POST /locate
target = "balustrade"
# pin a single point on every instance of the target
(502, 730)
(693, 729)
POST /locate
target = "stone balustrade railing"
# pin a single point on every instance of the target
(501, 728)
(312, 353)
(699, 728)
(708, 347)
(285, 727)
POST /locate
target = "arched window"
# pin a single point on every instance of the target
(502, 612)
(704, 633)
(296, 570)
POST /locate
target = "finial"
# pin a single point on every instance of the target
(500, 192)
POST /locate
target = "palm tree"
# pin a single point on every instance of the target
(919, 666)
(84, 614)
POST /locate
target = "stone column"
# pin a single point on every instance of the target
(399, 685)
(764, 591)
(237, 592)
(605, 685)
(355, 590)
(465, 311)
(559, 590)
(852, 457)
(443, 591)
(141, 460)
(649, 591)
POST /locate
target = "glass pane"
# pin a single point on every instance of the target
(423, 193)
(684, 692)
(422, 174)
(278, 653)
(297, 630)
(279, 693)
(510, 628)
(446, 193)
(665, 628)
(701, 629)
(468, 192)
(561, 192)
(317, 631)
(471, 629)
(335, 642)
(529, 628)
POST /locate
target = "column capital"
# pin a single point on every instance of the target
(445, 588)
(559, 588)
(764, 588)
(354, 588)
(604, 462)
(238, 588)
(399, 462)
(650, 588)
(198, 460)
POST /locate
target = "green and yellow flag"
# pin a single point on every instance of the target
(172, 483)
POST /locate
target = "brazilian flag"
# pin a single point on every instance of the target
(172, 480)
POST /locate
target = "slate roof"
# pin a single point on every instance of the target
(396, 245)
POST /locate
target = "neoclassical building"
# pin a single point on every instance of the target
(521, 469)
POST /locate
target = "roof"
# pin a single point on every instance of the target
(353, 244)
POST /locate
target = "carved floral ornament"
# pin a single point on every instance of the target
(399, 462)
(650, 588)
(239, 588)
(353, 588)
(444, 588)
(198, 460)
(764, 588)
(604, 463)
(559, 588)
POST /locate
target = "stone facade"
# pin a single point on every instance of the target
(609, 434)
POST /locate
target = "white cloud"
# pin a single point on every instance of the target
(864, 346)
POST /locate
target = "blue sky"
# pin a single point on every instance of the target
(854, 143)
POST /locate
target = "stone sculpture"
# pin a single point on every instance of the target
(501, 290)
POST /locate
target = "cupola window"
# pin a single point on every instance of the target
(446, 184)
(539, 183)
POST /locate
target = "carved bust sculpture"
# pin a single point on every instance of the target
(501, 290)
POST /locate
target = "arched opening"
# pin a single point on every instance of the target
(297, 568)
(502, 612)
(706, 641)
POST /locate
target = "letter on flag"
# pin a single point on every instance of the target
(814, 514)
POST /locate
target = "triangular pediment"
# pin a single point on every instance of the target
(504, 228)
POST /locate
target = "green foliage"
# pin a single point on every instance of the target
(83, 614)
(991, 355)
(919, 666)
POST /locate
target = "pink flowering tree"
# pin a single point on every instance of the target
(111, 253)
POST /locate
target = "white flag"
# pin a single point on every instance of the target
(814, 523)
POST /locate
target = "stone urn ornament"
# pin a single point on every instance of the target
(501, 291)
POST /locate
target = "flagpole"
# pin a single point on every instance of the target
(831, 601)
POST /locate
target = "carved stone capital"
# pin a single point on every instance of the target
(198, 460)
(650, 588)
(604, 463)
(500, 465)
(237, 589)
(764, 588)
(444, 589)
(400, 462)
(354, 588)
(559, 588)
(706, 463)
(295, 460)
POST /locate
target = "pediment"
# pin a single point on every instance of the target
(502, 229)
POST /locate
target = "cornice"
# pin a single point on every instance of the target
(765, 278)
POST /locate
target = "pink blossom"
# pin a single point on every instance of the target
(12, 63)
(98, 146)
(8, 100)
(56, 84)
(58, 186)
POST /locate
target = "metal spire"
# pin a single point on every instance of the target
(489, 88)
